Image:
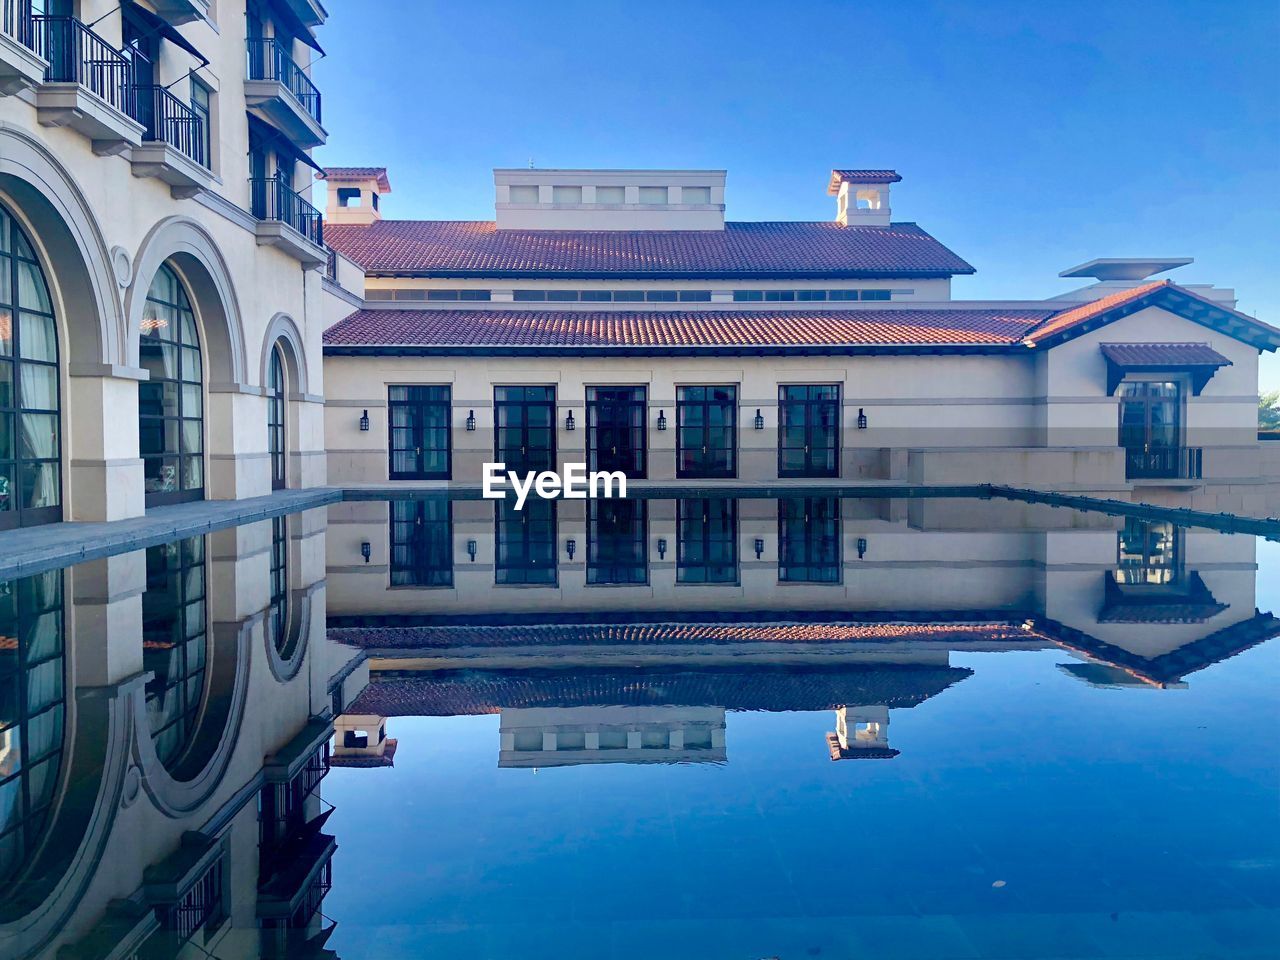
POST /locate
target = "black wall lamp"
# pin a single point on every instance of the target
(862, 547)
(471, 550)
(759, 419)
(471, 421)
(364, 422)
(366, 550)
(570, 424)
(662, 548)
(662, 420)
(759, 545)
(571, 547)
(862, 419)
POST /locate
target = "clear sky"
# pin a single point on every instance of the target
(1030, 136)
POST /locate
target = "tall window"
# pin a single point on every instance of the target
(707, 541)
(202, 107)
(617, 541)
(30, 449)
(170, 403)
(278, 611)
(706, 432)
(525, 434)
(32, 712)
(808, 431)
(616, 419)
(1151, 427)
(174, 642)
(275, 421)
(526, 542)
(421, 543)
(1147, 552)
(420, 432)
(809, 539)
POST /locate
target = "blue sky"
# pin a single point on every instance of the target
(1030, 136)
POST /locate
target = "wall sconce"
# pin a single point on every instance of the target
(862, 419)
(862, 547)
(471, 550)
(366, 550)
(759, 419)
(759, 545)
(569, 423)
(571, 547)
(471, 421)
(364, 422)
(662, 420)
(662, 548)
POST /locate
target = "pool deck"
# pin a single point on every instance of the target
(31, 550)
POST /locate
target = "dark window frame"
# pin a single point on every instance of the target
(636, 408)
(277, 431)
(617, 546)
(811, 406)
(420, 539)
(504, 405)
(527, 569)
(686, 403)
(709, 544)
(418, 401)
(814, 555)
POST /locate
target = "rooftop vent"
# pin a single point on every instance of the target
(354, 193)
(862, 196)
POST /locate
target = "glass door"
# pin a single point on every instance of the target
(1151, 427)
(616, 418)
(706, 432)
(420, 432)
(809, 430)
(525, 434)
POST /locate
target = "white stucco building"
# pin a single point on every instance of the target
(617, 317)
(161, 294)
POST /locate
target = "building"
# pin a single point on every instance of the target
(616, 317)
(162, 266)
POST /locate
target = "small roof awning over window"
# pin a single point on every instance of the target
(163, 28)
(268, 136)
(1199, 360)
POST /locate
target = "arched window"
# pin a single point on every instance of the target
(175, 644)
(275, 419)
(30, 448)
(171, 403)
(278, 613)
(32, 712)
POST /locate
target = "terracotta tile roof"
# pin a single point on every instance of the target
(450, 693)
(358, 173)
(861, 176)
(681, 329)
(1163, 354)
(522, 635)
(452, 248)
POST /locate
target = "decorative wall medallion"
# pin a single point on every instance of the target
(122, 265)
(131, 788)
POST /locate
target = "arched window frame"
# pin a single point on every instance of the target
(277, 411)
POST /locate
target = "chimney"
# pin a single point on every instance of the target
(354, 193)
(862, 196)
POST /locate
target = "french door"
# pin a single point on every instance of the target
(706, 432)
(1151, 427)
(616, 418)
(525, 433)
(420, 432)
(809, 430)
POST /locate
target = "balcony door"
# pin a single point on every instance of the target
(809, 430)
(420, 432)
(1151, 427)
(706, 432)
(616, 419)
(525, 432)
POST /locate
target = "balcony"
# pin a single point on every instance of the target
(1164, 463)
(182, 11)
(280, 93)
(174, 145)
(21, 68)
(287, 221)
(87, 86)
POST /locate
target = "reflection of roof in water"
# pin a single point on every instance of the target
(439, 636)
(469, 692)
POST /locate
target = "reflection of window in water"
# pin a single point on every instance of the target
(174, 642)
(707, 541)
(809, 539)
(421, 543)
(278, 612)
(32, 712)
(526, 542)
(616, 541)
(1147, 552)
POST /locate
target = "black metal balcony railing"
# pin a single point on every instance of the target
(271, 198)
(1164, 463)
(198, 906)
(170, 120)
(16, 22)
(331, 263)
(269, 60)
(78, 55)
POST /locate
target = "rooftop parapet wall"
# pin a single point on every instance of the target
(609, 199)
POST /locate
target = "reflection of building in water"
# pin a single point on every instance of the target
(862, 733)
(567, 736)
(168, 802)
(360, 740)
